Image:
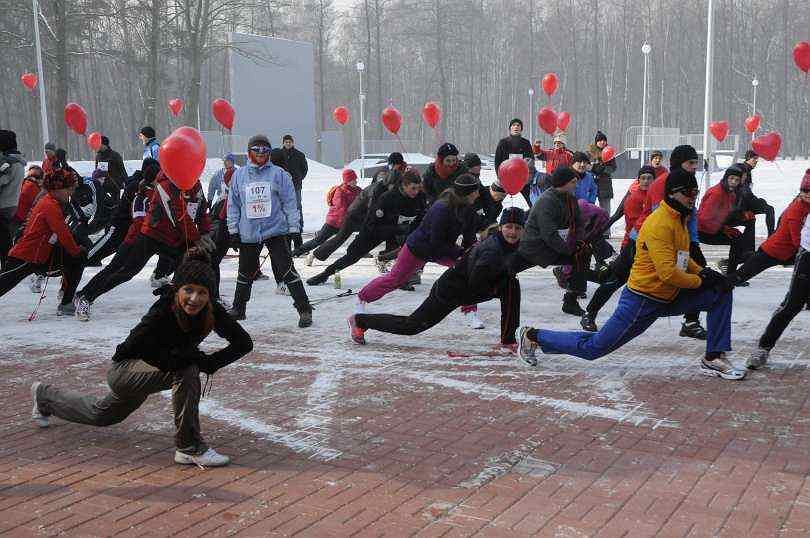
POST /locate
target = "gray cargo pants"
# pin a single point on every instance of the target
(131, 382)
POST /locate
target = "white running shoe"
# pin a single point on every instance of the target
(281, 289)
(158, 282)
(721, 367)
(382, 265)
(41, 420)
(472, 319)
(360, 307)
(83, 308)
(526, 348)
(211, 458)
(35, 283)
(310, 258)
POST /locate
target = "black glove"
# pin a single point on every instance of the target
(235, 240)
(712, 279)
(696, 254)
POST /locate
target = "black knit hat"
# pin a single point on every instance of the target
(580, 157)
(513, 215)
(471, 160)
(466, 184)
(195, 269)
(518, 121)
(646, 170)
(447, 149)
(679, 180)
(147, 131)
(396, 158)
(562, 176)
(750, 154)
(599, 136)
(105, 141)
(680, 155)
(8, 140)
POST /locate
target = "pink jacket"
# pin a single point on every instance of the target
(342, 198)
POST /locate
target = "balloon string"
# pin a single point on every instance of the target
(401, 145)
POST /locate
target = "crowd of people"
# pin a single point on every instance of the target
(55, 223)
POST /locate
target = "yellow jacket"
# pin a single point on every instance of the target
(662, 265)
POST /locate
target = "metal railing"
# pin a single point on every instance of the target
(665, 138)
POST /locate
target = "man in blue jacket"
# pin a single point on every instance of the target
(586, 184)
(263, 211)
(151, 145)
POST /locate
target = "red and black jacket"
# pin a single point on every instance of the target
(45, 228)
(174, 217)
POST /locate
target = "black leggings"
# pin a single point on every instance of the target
(619, 273)
(351, 224)
(107, 244)
(320, 238)
(740, 246)
(798, 294)
(433, 310)
(16, 270)
(130, 264)
(278, 248)
(755, 264)
(362, 245)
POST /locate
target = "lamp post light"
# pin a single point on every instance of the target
(531, 113)
(360, 68)
(754, 83)
(707, 102)
(43, 110)
(645, 49)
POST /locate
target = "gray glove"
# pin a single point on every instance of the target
(206, 244)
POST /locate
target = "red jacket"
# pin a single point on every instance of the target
(175, 219)
(342, 198)
(47, 164)
(28, 195)
(555, 158)
(635, 210)
(715, 207)
(785, 241)
(46, 227)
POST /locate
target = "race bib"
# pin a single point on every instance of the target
(103, 166)
(516, 155)
(257, 200)
(563, 233)
(191, 209)
(683, 260)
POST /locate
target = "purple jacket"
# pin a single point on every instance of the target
(435, 238)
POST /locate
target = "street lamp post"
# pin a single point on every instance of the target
(707, 102)
(360, 68)
(754, 83)
(531, 112)
(645, 49)
(43, 106)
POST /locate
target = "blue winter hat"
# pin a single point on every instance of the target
(229, 157)
(513, 215)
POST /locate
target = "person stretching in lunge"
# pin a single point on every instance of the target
(664, 281)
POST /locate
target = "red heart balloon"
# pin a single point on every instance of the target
(512, 174)
(767, 146)
(176, 106)
(94, 140)
(563, 119)
(550, 83)
(719, 130)
(182, 157)
(608, 152)
(392, 119)
(801, 55)
(76, 118)
(752, 123)
(341, 115)
(29, 80)
(432, 114)
(547, 119)
(223, 113)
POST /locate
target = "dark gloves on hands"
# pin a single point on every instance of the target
(731, 232)
(712, 279)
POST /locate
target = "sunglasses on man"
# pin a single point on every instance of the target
(261, 150)
(690, 193)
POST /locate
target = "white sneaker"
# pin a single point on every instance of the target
(721, 367)
(83, 307)
(41, 420)
(382, 265)
(211, 458)
(310, 258)
(158, 282)
(360, 307)
(35, 283)
(281, 289)
(473, 321)
(526, 348)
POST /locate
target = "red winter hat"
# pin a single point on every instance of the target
(349, 175)
(806, 180)
(61, 178)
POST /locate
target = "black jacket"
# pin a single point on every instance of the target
(159, 341)
(394, 214)
(296, 165)
(115, 166)
(554, 215)
(480, 275)
(486, 209)
(512, 145)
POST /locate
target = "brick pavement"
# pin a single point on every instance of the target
(397, 440)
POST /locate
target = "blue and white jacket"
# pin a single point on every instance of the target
(151, 150)
(262, 203)
(586, 188)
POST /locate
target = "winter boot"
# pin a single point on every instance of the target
(571, 304)
(304, 315)
(588, 323)
(240, 300)
(693, 329)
